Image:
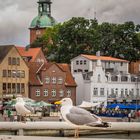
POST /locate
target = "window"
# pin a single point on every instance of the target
(75, 70)
(13, 87)
(9, 73)
(18, 73)
(121, 64)
(86, 70)
(85, 62)
(14, 61)
(99, 78)
(22, 74)
(61, 93)
(95, 92)
(4, 73)
(22, 88)
(53, 92)
(77, 62)
(4, 87)
(45, 92)
(81, 62)
(18, 61)
(38, 92)
(9, 60)
(18, 87)
(14, 73)
(47, 80)
(53, 80)
(102, 92)
(60, 80)
(69, 93)
(122, 93)
(9, 87)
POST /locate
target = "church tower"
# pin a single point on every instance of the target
(42, 21)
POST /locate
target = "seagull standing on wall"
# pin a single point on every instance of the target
(21, 108)
(78, 117)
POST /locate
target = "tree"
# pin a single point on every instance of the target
(78, 36)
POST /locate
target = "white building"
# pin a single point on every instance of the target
(100, 86)
(86, 63)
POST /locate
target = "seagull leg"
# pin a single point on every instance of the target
(76, 135)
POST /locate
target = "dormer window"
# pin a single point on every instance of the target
(53, 80)
(60, 80)
(47, 80)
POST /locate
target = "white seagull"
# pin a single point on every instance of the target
(77, 116)
(22, 108)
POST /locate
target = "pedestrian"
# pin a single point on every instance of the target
(129, 117)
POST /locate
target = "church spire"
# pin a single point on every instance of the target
(44, 7)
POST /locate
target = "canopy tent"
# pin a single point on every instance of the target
(42, 104)
(29, 102)
(122, 106)
(89, 104)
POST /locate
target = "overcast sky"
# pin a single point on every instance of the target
(16, 15)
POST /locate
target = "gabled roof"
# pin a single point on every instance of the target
(103, 58)
(34, 67)
(31, 52)
(69, 81)
(4, 50)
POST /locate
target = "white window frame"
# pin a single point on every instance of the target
(95, 92)
(61, 93)
(37, 92)
(68, 93)
(60, 80)
(47, 80)
(53, 92)
(53, 80)
(102, 91)
(46, 92)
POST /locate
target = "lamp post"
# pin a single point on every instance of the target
(137, 93)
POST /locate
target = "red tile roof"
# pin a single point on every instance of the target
(32, 52)
(103, 58)
(69, 78)
(33, 68)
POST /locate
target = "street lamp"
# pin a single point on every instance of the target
(137, 93)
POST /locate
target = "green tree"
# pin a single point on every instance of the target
(77, 36)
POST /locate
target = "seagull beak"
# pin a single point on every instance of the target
(58, 103)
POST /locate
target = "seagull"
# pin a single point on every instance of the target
(78, 117)
(22, 108)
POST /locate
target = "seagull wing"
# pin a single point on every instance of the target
(80, 116)
(29, 108)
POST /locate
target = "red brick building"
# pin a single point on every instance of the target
(51, 82)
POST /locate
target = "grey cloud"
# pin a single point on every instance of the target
(16, 15)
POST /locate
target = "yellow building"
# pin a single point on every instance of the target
(14, 73)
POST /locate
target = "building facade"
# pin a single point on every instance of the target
(51, 82)
(14, 73)
(86, 63)
(106, 87)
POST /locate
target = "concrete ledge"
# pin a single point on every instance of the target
(51, 138)
(43, 125)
